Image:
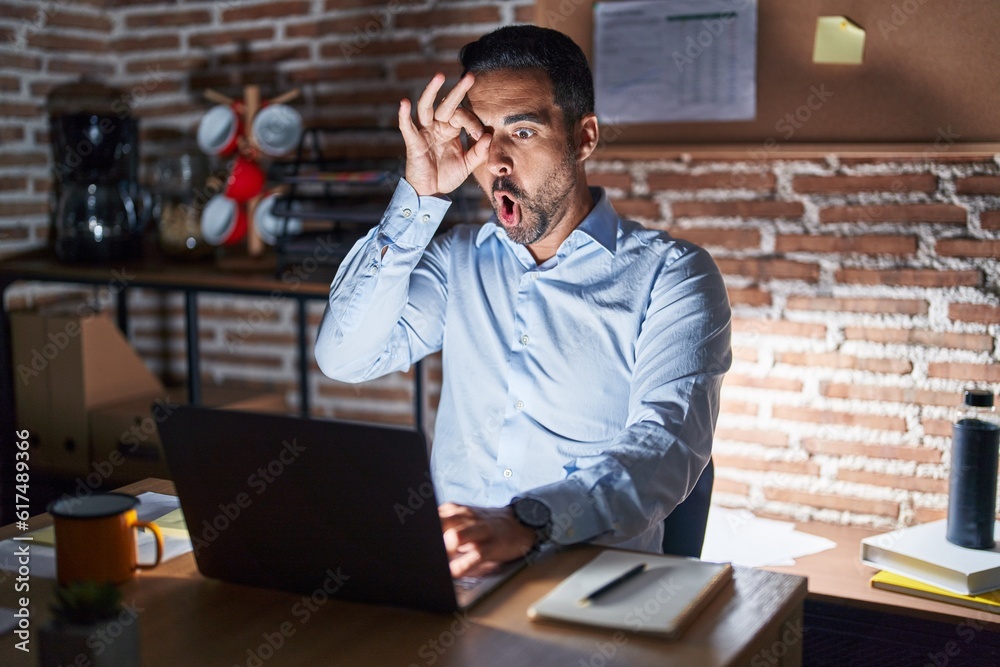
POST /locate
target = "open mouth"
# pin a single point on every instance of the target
(508, 210)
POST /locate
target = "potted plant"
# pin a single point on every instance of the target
(89, 626)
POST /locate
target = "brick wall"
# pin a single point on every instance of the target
(864, 294)
(864, 289)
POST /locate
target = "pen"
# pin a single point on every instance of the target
(614, 583)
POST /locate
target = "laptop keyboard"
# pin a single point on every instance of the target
(468, 583)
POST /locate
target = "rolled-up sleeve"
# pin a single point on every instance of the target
(386, 304)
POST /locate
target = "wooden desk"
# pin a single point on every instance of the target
(191, 621)
(838, 577)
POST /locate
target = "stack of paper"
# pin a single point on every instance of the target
(740, 538)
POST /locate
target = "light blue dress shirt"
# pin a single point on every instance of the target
(590, 383)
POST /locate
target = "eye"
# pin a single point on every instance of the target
(524, 133)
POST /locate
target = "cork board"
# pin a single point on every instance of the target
(931, 72)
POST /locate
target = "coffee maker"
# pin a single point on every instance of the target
(98, 212)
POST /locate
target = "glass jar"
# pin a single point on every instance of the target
(177, 179)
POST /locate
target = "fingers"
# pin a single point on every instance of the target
(406, 126)
(455, 516)
(463, 119)
(479, 152)
(451, 101)
(476, 155)
(477, 537)
(472, 564)
(464, 563)
(448, 509)
(466, 555)
(464, 530)
(468, 534)
(478, 532)
(426, 113)
(425, 105)
(474, 557)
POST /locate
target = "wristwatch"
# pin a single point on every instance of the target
(535, 515)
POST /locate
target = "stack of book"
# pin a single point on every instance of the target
(920, 561)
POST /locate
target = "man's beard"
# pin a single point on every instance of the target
(540, 211)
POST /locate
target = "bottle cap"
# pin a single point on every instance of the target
(979, 398)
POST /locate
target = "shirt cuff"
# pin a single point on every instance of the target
(575, 514)
(410, 220)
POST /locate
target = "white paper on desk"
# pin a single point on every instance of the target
(42, 558)
(739, 537)
(152, 507)
(675, 60)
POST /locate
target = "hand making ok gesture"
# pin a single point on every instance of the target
(436, 160)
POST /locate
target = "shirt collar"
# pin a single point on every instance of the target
(601, 224)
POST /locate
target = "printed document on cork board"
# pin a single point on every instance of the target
(675, 60)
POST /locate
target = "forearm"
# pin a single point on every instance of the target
(360, 335)
(650, 468)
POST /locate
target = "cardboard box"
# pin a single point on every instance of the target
(124, 440)
(69, 360)
(31, 381)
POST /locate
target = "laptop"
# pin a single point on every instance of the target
(310, 505)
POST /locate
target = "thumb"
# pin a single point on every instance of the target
(478, 153)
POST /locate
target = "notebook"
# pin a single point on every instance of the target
(310, 505)
(663, 600)
(899, 584)
(923, 553)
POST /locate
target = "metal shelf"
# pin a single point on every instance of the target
(340, 198)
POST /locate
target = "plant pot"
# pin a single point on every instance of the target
(110, 643)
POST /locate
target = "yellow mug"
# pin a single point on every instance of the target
(95, 538)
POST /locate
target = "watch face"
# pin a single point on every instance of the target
(532, 512)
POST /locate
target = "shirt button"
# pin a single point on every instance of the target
(534, 275)
(519, 405)
(407, 213)
(524, 339)
(508, 472)
(425, 218)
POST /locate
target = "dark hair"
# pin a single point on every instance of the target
(530, 47)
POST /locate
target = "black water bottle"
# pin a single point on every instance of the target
(973, 483)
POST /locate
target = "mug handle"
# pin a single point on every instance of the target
(159, 544)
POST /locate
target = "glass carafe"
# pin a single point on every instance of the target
(96, 220)
(99, 213)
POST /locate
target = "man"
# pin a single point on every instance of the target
(582, 353)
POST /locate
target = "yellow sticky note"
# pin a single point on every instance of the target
(173, 523)
(45, 536)
(839, 41)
